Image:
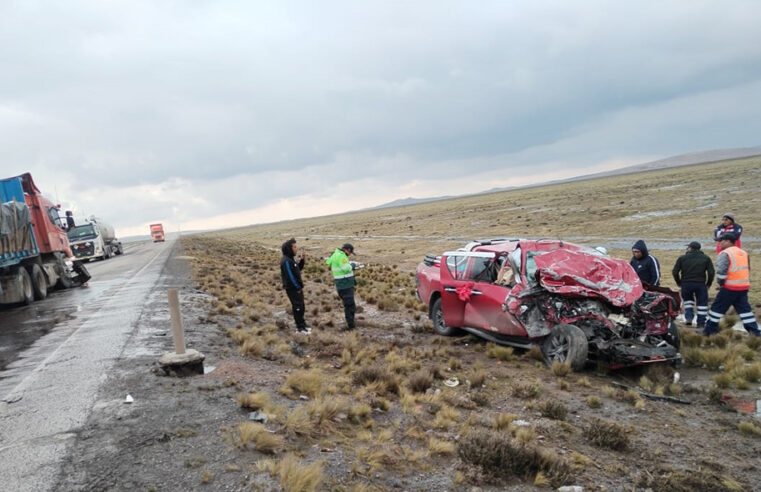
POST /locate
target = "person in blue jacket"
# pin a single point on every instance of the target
(290, 274)
(646, 265)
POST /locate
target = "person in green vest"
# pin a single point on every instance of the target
(343, 276)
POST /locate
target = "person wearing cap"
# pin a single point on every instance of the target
(733, 276)
(693, 272)
(290, 274)
(646, 265)
(343, 276)
(727, 224)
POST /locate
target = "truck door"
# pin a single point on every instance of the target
(458, 270)
(471, 298)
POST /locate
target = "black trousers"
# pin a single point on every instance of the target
(347, 296)
(297, 303)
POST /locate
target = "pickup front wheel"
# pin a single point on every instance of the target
(566, 343)
(437, 316)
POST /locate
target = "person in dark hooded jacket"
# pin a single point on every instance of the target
(646, 265)
(290, 274)
(693, 272)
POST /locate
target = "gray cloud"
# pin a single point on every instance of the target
(287, 99)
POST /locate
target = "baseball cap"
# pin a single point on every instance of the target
(694, 245)
(348, 247)
(728, 235)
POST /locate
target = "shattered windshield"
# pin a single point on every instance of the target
(81, 232)
(531, 266)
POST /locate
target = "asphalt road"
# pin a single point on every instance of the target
(54, 355)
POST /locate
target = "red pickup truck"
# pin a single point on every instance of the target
(578, 304)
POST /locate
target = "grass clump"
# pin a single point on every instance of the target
(377, 377)
(420, 381)
(505, 354)
(254, 401)
(499, 455)
(306, 382)
(440, 447)
(526, 390)
(594, 401)
(503, 420)
(607, 434)
(295, 475)
(552, 409)
(749, 428)
(257, 434)
(561, 369)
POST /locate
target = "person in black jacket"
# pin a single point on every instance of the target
(290, 274)
(646, 265)
(694, 273)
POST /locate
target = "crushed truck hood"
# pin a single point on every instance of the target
(580, 274)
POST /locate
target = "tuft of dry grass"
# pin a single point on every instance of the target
(526, 390)
(265, 442)
(749, 428)
(505, 354)
(306, 382)
(298, 422)
(295, 475)
(594, 401)
(477, 378)
(499, 455)
(254, 401)
(446, 417)
(553, 409)
(503, 420)
(440, 447)
(561, 369)
(607, 434)
(420, 381)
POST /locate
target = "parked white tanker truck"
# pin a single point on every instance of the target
(94, 239)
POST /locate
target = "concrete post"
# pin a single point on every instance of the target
(174, 311)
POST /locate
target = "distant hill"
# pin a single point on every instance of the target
(688, 159)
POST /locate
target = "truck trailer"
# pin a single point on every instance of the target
(94, 239)
(157, 233)
(34, 249)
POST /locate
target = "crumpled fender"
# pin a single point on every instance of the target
(581, 274)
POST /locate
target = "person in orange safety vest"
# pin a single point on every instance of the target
(733, 275)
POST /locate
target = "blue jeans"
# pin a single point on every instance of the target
(724, 299)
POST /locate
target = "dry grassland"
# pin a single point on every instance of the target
(369, 410)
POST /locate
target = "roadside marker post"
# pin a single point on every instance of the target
(183, 361)
(174, 314)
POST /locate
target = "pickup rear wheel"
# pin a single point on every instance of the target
(566, 343)
(437, 316)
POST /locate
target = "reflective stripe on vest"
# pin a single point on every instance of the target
(738, 273)
(340, 266)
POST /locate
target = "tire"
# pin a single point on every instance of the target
(27, 290)
(39, 282)
(672, 337)
(64, 280)
(566, 343)
(437, 316)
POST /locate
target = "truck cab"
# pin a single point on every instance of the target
(157, 233)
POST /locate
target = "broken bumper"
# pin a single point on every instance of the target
(623, 353)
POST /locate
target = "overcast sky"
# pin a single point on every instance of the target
(210, 114)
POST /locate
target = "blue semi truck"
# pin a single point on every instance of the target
(34, 250)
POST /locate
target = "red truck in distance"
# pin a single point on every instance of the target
(157, 233)
(576, 303)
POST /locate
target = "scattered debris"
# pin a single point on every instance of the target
(260, 416)
(303, 397)
(571, 488)
(653, 396)
(452, 382)
(129, 399)
(520, 423)
(208, 369)
(742, 406)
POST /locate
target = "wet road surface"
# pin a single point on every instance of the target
(55, 353)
